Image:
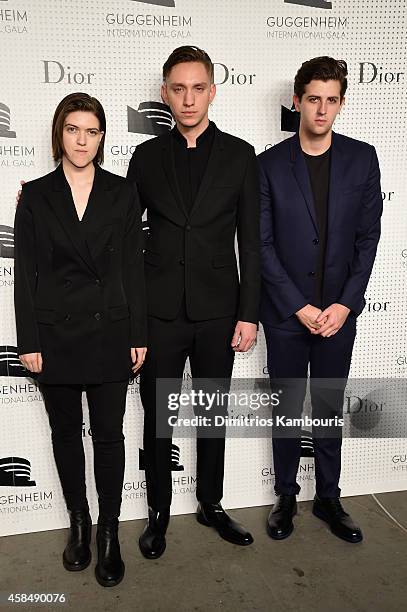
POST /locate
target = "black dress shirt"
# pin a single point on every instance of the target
(190, 162)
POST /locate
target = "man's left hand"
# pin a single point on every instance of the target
(244, 336)
(335, 315)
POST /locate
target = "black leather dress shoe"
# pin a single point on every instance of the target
(330, 510)
(280, 520)
(77, 555)
(152, 541)
(109, 570)
(213, 515)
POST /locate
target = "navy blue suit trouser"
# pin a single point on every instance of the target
(291, 357)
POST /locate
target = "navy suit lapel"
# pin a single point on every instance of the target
(336, 180)
(300, 170)
(64, 208)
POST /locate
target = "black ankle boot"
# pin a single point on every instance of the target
(77, 555)
(109, 570)
(152, 541)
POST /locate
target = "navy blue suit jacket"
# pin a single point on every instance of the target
(289, 231)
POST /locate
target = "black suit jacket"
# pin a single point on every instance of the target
(193, 253)
(79, 291)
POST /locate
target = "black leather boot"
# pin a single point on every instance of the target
(109, 570)
(77, 555)
(152, 541)
(213, 515)
(280, 520)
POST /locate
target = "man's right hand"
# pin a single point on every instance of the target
(32, 362)
(308, 315)
(18, 196)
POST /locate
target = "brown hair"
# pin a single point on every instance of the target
(76, 102)
(321, 69)
(188, 54)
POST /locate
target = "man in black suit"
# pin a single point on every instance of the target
(199, 186)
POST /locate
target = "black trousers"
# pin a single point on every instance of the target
(207, 344)
(289, 353)
(107, 403)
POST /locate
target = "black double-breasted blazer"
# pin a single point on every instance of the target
(79, 285)
(192, 253)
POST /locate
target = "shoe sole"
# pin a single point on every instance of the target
(323, 517)
(108, 583)
(200, 518)
(76, 568)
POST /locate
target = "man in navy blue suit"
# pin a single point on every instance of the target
(320, 225)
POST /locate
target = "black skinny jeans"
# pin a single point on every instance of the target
(107, 403)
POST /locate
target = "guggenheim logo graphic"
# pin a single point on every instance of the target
(324, 4)
(5, 131)
(10, 365)
(6, 242)
(150, 118)
(175, 459)
(158, 2)
(15, 472)
(290, 119)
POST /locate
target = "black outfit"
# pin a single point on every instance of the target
(319, 173)
(80, 302)
(196, 200)
(106, 403)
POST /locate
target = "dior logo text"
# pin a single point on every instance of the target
(55, 72)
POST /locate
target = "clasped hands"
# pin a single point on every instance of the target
(325, 323)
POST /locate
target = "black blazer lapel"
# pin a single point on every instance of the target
(212, 167)
(167, 158)
(301, 174)
(64, 209)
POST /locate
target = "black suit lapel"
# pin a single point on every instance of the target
(301, 174)
(167, 157)
(212, 167)
(64, 209)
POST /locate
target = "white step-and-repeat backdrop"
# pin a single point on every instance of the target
(114, 50)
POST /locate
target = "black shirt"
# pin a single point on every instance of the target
(190, 163)
(319, 172)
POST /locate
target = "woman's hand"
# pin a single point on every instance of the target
(137, 357)
(32, 362)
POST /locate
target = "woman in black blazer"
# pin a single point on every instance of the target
(81, 317)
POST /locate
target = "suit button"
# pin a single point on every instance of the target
(182, 262)
(97, 316)
(98, 281)
(188, 228)
(67, 284)
(67, 317)
(110, 249)
(315, 241)
(311, 273)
